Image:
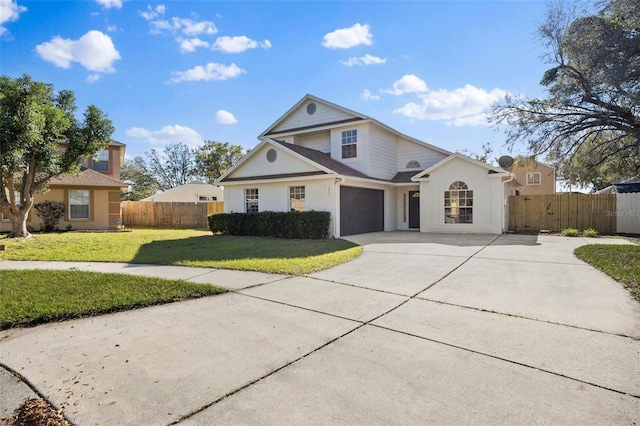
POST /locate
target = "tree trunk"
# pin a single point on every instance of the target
(19, 225)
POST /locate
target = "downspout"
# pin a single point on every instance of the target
(504, 198)
(336, 206)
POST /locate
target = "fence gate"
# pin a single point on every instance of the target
(559, 211)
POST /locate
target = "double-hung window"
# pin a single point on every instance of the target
(296, 198)
(101, 161)
(251, 200)
(350, 143)
(79, 203)
(533, 178)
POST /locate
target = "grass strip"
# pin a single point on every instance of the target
(31, 297)
(620, 262)
(183, 247)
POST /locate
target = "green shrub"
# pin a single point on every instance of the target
(590, 233)
(570, 232)
(311, 224)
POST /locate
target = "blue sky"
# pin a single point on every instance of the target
(188, 71)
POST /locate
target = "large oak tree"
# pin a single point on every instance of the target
(589, 124)
(41, 138)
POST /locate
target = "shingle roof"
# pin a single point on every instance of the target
(324, 160)
(87, 177)
(404, 177)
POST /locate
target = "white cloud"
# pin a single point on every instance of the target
(465, 106)
(168, 135)
(238, 44)
(112, 28)
(367, 96)
(182, 25)
(92, 78)
(211, 71)
(152, 13)
(94, 51)
(225, 117)
(9, 12)
(344, 38)
(365, 60)
(409, 83)
(191, 44)
(108, 4)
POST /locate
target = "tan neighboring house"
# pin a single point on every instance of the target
(92, 198)
(190, 192)
(540, 180)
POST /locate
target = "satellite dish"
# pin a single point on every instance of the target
(505, 161)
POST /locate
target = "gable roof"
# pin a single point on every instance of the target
(490, 169)
(317, 159)
(357, 117)
(87, 177)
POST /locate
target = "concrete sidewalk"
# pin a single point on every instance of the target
(446, 329)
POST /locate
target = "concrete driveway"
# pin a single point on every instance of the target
(442, 329)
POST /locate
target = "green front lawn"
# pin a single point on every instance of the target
(185, 247)
(36, 296)
(621, 262)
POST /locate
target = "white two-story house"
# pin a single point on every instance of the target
(370, 177)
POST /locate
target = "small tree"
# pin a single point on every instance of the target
(41, 138)
(50, 212)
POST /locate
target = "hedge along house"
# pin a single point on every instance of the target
(92, 198)
(370, 177)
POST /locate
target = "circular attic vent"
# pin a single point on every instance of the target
(311, 108)
(272, 154)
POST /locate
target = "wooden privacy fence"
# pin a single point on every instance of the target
(560, 211)
(168, 214)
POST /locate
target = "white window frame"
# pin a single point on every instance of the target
(531, 178)
(297, 201)
(101, 158)
(349, 140)
(251, 200)
(458, 204)
(73, 203)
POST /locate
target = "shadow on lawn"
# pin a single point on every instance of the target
(227, 247)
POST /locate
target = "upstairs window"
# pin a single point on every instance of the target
(350, 143)
(458, 203)
(296, 198)
(101, 161)
(533, 178)
(251, 200)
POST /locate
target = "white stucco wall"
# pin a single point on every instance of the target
(487, 198)
(320, 195)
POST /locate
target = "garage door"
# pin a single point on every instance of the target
(361, 210)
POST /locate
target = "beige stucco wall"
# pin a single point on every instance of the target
(547, 180)
(104, 210)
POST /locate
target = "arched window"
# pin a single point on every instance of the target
(413, 164)
(458, 203)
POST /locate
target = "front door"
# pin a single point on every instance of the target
(414, 209)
